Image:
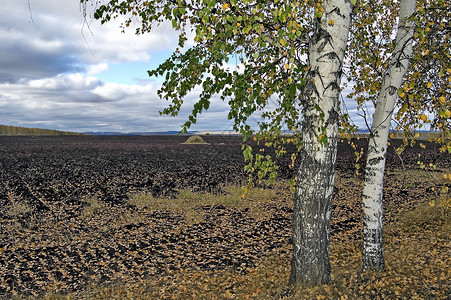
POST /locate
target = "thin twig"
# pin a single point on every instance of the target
(31, 13)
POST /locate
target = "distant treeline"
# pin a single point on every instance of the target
(15, 130)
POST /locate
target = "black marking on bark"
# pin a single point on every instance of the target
(337, 11)
(376, 160)
(321, 34)
(392, 90)
(373, 148)
(365, 196)
(333, 117)
(334, 85)
(339, 72)
(330, 55)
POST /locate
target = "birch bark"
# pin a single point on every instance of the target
(315, 180)
(373, 256)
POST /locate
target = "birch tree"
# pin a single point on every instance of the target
(379, 73)
(290, 53)
(315, 179)
(373, 257)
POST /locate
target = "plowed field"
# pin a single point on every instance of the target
(66, 219)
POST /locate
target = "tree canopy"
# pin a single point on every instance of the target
(268, 39)
(423, 100)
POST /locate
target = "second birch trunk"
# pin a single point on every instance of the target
(373, 256)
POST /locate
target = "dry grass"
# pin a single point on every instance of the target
(195, 139)
(15, 214)
(92, 207)
(189, 203)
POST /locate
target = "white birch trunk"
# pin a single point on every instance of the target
(373, 256)
(315, 181)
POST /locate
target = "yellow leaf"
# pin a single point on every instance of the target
(423, 117)
(287, 66)
(429, 85)
(225, 6)
(402, 95)
(442, 99)
(448, 114)
(331, 22)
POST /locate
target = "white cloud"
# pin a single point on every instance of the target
(98, 68)
(75, 81)
(57, 41)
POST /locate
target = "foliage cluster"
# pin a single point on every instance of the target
(423, 100)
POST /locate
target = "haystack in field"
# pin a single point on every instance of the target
(195, 139)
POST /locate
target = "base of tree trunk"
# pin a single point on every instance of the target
(310, 264)
(373, 253)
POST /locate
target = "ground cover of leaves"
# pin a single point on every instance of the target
(222, 246)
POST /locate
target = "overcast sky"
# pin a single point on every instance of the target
(57, 73)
